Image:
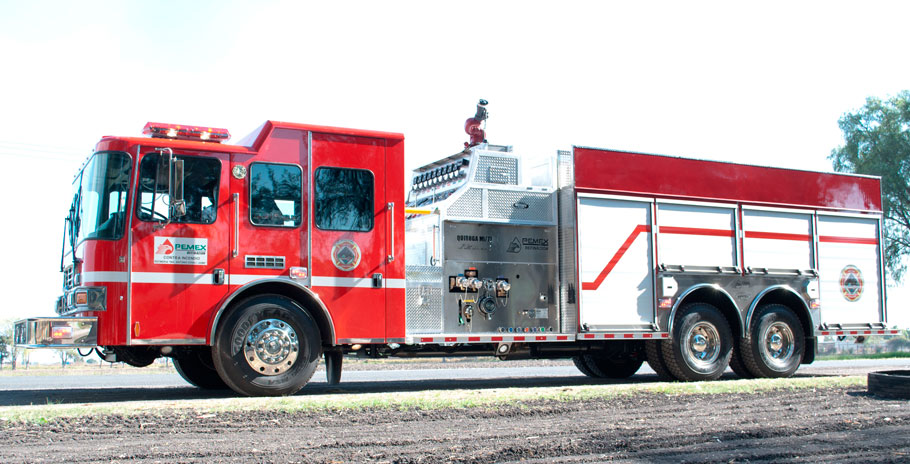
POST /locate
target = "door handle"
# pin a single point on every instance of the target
(391, 209)
(377, 280)
(236, 198)
(218, 277)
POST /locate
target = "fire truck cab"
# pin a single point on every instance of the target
(248, 263)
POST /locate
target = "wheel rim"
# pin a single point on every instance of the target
(702, 346)
(778, 345)
(271, 347)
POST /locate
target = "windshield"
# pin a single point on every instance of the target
(102, 194)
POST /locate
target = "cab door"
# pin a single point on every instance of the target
(350, 230)
(177, 265)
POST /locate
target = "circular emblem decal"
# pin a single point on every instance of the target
(345, 255)
(851, 283)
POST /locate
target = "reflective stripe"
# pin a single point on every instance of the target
(233, 279)
(243, 279)
(116, 277)
(354, 282)
(843, 333)
(171, 278)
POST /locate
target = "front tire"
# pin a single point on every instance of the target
(776, 343)
(701, 346)
(267, 346)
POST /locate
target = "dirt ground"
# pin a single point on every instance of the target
(826, 425)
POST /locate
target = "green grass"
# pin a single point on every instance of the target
(427, 400)
(840, 357)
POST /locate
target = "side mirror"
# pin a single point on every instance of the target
(175, 189)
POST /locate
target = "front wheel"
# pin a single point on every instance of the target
(267, 346)
(701, 346)
(776, 343)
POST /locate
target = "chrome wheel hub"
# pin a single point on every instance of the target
(702, 346)
(271, 347)
(778, 345)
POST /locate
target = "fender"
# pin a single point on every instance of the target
(755, 302)
(691, 289)
(286, 281)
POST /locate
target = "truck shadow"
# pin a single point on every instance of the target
(128, 394)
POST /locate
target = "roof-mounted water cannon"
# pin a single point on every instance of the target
(472, 125)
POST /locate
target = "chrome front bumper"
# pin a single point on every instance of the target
(56, 332)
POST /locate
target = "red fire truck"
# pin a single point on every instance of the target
(248, 263)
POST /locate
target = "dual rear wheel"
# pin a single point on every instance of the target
(702, 345)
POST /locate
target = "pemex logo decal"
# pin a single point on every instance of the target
(851, 283)
(165, 248)
(181, 250)
(345, 255)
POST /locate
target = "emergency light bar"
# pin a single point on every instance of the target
(177, 131)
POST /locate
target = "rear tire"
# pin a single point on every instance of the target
(604, 367)
(739, 367)
(583, 366)
(656, 360)
(776, 343)
(268, 345)
(196, 367)
(701, 344)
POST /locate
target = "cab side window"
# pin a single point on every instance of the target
(343, 200)
(275, 195)
(200, 189)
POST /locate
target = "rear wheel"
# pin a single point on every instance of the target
(776, 343)
(196, 367)
(701, 345)
(583, 366)
(739, 367)
(655, 357)
(267, 346)
(605, 367)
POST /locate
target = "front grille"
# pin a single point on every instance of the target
(69, 277)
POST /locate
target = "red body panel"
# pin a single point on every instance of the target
(153, 303)
(608, 171)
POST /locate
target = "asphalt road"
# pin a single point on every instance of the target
(100, 388)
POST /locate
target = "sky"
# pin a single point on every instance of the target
(752, 82)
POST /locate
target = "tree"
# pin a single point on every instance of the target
(878, 143)
(66, 356)
(4, 349)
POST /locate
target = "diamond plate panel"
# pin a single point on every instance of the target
(470, 205)
(497, 170)
(423, 292)
(520, 206)
(565, 174)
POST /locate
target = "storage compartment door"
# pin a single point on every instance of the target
(849, 261)
(696, 235)
(777, 240)
(616, 262)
